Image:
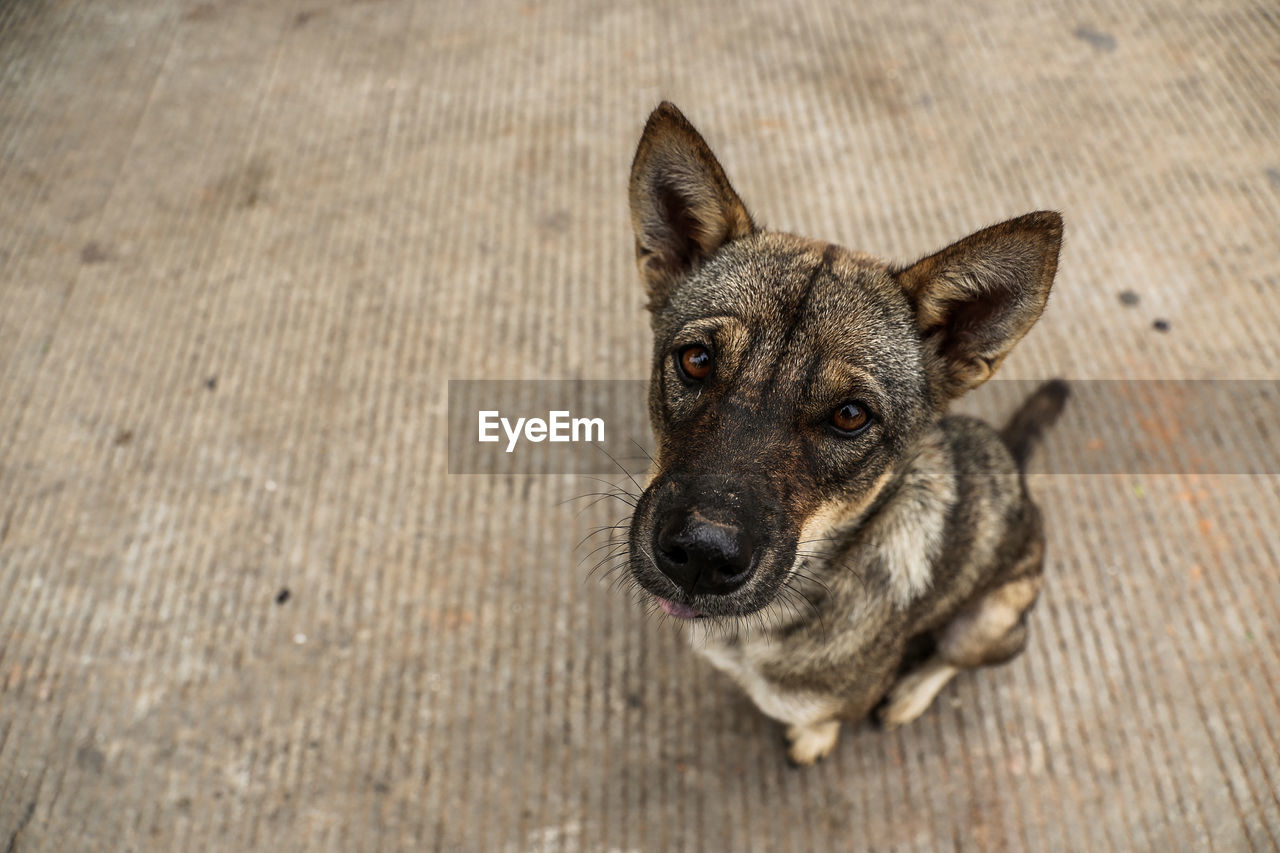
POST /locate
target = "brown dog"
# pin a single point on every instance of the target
(831, 536)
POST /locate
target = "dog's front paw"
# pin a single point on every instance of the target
(913, 693)
(812, 742)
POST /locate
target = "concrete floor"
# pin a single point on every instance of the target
(244, 245)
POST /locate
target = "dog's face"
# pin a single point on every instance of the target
(777, 409)
(791, 378)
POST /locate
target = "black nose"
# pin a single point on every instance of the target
(703, 556)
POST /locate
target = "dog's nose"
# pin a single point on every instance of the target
(703, 556)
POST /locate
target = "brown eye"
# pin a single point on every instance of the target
(695, 362)
(850, 418)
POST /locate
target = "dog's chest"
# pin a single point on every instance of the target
(744, 660)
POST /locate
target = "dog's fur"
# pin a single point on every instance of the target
(881, 563)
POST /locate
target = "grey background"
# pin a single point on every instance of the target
(244, 245)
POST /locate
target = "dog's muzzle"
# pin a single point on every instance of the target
(703, 555)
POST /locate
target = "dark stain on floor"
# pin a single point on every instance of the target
(1097, 39)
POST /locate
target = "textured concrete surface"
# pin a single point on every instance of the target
(244, 245)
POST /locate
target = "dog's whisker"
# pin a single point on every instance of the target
(835, 539)
(625, 521)
(642, 450)
(609, 576)
(817, 611)
(622, 487)
(599, 496)
(609, 537)
(619, 580)
(614, 493)
(623, 582)
(788, 595)
(858, 573)
(826, 591)
(596, 531)
(613, 544)
(580, 497)
(604, 561)
(784, 598)
(808, 601)
(803, 572)
(621, 467)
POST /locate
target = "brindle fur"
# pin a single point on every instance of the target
(918, 534)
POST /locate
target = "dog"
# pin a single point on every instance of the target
(834, 540)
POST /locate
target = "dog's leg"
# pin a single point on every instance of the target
(985, 632)
(993, 629)
(810, 716)
(812, 741)
(915, 691)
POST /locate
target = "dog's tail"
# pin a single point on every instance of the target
(1037, 413)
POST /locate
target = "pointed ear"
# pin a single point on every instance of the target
(976, 298)
(682, 206)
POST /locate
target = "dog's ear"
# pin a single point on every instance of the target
(682, 206)
(976, 298)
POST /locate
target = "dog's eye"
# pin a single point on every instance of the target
(851, 418)
(695, 362)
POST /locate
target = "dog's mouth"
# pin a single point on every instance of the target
(678, 610)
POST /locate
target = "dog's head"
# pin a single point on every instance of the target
(792, 379)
